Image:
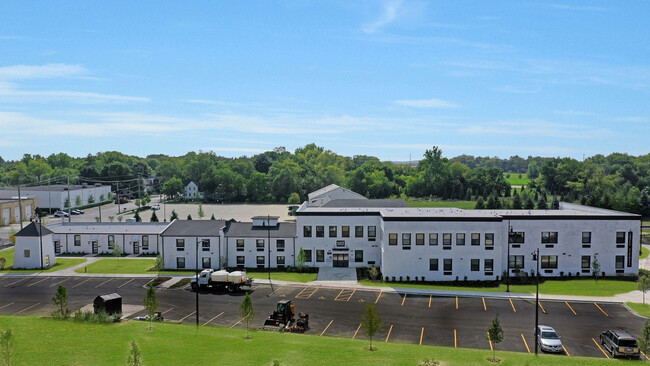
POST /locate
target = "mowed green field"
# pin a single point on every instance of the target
(514, 179)
(465, 205)
(122, 265)
(45, 341)
(61, 263)
(284, 276)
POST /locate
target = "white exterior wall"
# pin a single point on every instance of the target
(56, 199)
(371, 249)
(189, 252)
(125, 241)
(397, 262)
(250, 252)
(33, 244)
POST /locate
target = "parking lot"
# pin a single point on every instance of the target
(335, 312)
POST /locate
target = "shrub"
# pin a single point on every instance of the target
(99, 318)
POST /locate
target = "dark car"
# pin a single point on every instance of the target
(620, 343)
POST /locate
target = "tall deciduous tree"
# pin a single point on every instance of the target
(371, 322)
(173, 188)
(247, 312)
(495, 334)
(644, 340)
(644, 285)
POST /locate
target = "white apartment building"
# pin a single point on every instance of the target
(261, 242)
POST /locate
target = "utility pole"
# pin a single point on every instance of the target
(268, 234)
(20, 209)
(197, 281)
(139, 197)
(119, 209)
(69, 202)
(536, 257)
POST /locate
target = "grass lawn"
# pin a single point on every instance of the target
(642, 309)
(644, 252)
(69, 343)
(465, 205)
(514, 179)
(587, 287)
(61, 263)
(114, 265)
(284, 276)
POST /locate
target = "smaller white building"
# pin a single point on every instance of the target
(185, 242)
(192, 191)
(34, 248)
(54, 196)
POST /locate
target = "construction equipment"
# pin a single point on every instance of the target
(283, 318)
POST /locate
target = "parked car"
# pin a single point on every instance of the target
(620, 343)
(548, 340)
(61, 214)
(155, 207)
(76, 212)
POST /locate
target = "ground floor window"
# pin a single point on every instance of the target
(586, 262)
(27, 253)
(549, 261)
(280, 260)
(489, 265)
(206, 262)
(433, 264)
(308, 255)
(475, 264)
(447, 264)
(358, 256)
(180, 262)
(145, 242)
(111, 242)
(260, 260)
(620, 261)
(320, 255)
(516, 261)
(241, 260)
(57, 247)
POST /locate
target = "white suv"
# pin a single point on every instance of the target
(548, 339)
(155, 207)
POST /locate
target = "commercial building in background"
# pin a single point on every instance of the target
(10, 208)
(54, 196)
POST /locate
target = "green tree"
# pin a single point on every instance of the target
(151, 303)
(111, 218)
(301, 259)
(644, 340)
(644, 285)
(174, 216)
(595, 268)
(101, 198)
(160, 262)
(137, 203)
(644, 204)
(137, 216)
(117, 252)
(66, 203)
(370, 321)
(293, 199)
(120, 218)
(201, 212)
(154, 217)
(173, 188)
(555, 204)
(135, 357)
(7, 343)
(529, 204)
(189, 217)
(516, 201)
(541, 203)
(60, 303)
(495, 334)
(77, 201)
(247, 312)
(3, 261)
(212, 217)
(91, 199)
(480, 204)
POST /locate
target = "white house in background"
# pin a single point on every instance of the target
(34, 247)
(192, 191)
(54, 196)
(185, 241)
(258, 243)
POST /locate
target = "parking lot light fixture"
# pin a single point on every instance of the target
(536, 258)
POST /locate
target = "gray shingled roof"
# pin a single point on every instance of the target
(33, 230)
(246, 229)
(366, 203)
(194, 228)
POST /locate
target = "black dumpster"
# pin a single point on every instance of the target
(110, 304)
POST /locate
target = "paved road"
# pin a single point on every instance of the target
(416, 319)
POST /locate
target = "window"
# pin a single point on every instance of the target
(260, 260)
(419, 239)
(516, 261)
(320, 231)
(358, 256)
(549, 261)
(308, 255)
(586, 237)
(205, 245)
(392, 239)
(620, 261)
(372, 232)
(586, 262)
(340, 243)
(57, 247)
(27, 253)
(206, 262)
(475, 265)
(488, 265)
(180, 262)
(516, 237)
(111, 242)
(77, 240)
(240, 245)
(145, 242)
(241, 260)
(320, 255)
(549, 237)
(460, 238)
(433, 238)
(620, 237)
(306, 231)
(345, 231)
(476, 239)
(259, 245)
(489, 239)
(279, 245)
(180, 245)
(446, 239)
(358, 231)
(433, 264)
(333, 231)
(447, 264)
(280, 260)
(406, 239)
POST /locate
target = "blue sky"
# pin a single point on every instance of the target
(383, 78)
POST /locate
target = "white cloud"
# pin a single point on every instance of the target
(537, 129)
(635, 119)
(390, 10)
(577, 8)
(426, 103)
(572, 113)
(17, 72)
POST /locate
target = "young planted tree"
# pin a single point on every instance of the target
(151, 303)
(495, 335)
(300, 259)
(212, 217)
(480, 204)
(3, 262)
(137, 217)
(247, 312)
(60, 303)
(201, 212)
(189, 217)
(160, 262)
(7, 343)
(644, 340)
(644, 285)
(117, 253)
(371, 322)
(174, 216)
(595, 268)
(154, 217)
(135, 357)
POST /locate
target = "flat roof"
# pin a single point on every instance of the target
(54, 188)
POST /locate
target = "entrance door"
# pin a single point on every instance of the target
(6, 215)
(136, 247)
(57, 247)
(341, 260)
(95, 247)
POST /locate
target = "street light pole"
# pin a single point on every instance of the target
(508, 259)
(268, 237)
(197, 280)
(536, 258)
